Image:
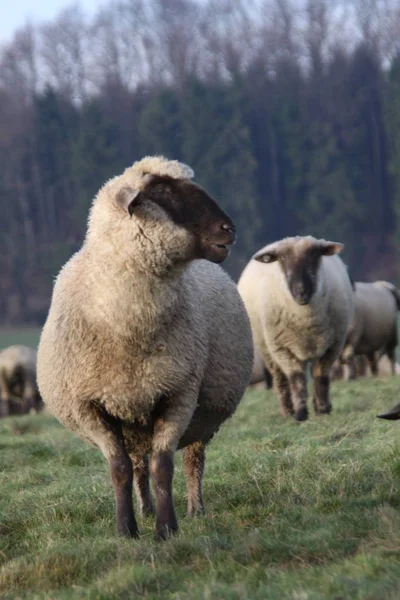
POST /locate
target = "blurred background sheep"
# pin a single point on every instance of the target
(19, 393)
(373, 333)
(300, 301)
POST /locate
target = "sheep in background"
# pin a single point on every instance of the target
(18, 388)
(147, 348)
(300, 301)
(340, 371)
(373, 331)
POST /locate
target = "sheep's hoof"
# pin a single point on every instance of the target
(326, 409)
(286, 412)
(196, 511)
(130, 532)
(163, 533)
(301, 414)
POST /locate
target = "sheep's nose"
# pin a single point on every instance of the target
(300, 293)
(231, 228)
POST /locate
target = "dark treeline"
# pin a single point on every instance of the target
(289, 114)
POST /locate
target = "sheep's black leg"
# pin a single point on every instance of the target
(169, 426)
(321, 399)
(122, 479)
(282, 389)
(298, 388)
(162, 472)
(106, 432)
(193, 466)
(141, 479)
(268, 378)
(322, 404)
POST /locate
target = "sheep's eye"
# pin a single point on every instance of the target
(158, 190)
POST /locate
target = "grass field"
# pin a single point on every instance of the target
(301, 511)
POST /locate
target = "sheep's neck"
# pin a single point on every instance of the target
(134, 303)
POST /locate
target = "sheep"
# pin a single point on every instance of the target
(339, 371)
(147, 347)
(373, 331)
(19, 393)
(300, 305)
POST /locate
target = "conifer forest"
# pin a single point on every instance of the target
(288, 111)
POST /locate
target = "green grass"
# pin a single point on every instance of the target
(301, 511)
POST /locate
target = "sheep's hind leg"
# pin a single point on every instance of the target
(141, 480)
(282, 389)
(193, 466)
(106, 432)
(321, 400)
(169, 427)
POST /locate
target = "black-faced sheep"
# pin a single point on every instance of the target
(300, 302)
(18, 388)
(373, 331)
(147, 348)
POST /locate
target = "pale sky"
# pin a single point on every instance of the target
(14, 13)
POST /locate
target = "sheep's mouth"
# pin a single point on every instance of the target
(216, 252)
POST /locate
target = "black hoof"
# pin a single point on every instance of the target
(301, 414)
(163, 533)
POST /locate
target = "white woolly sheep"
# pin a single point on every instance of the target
(147, 348)
(300, 305)
(18, 388)
(373, 331)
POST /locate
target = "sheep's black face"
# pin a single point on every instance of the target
(301, 274)
(190, 207)
(16, 382)
(299, 259)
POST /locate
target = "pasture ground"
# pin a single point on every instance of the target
(300, 511)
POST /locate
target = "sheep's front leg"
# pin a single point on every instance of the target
(294, 370)
(168, 430)
(141, 479)
(106, 433)
(193, 466)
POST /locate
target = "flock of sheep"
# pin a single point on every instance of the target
(148, 346)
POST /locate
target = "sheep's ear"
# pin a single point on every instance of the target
(392, 414)
(128, 198)
(266, 256)
(330, 248)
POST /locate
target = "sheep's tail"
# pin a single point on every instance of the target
(392, 288)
